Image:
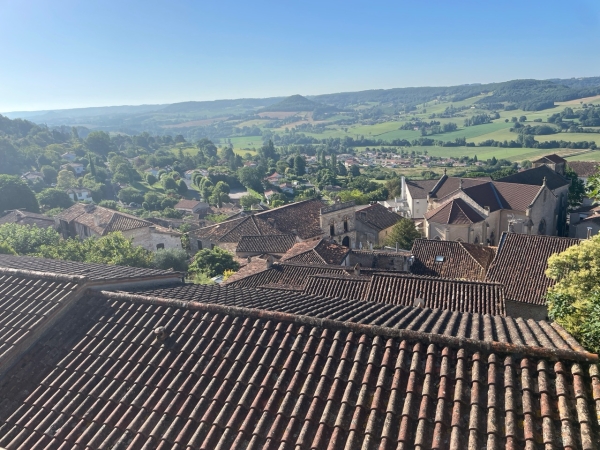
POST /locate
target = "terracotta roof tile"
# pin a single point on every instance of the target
(437, 293)
(27, 218)
(266, 379)
(554, 158)
(521, 263)
(457, 260)
(535, 176)
(316, 251)
(276, 243)
(300, 218)
(377, 216)
(232, 231)
(93, 271)
(102, 220)
(584, 168)
(456, 211)
(348, 287)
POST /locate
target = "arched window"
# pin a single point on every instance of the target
(345, 224)
(476, 241)
(331, 228)
(492, 238)
(437, 238)
(346, 241)
(199, 245)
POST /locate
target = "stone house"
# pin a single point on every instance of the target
(32, 176)
(22, 217)
(192, 207)
(86, 220)
(373, 224)
(554, 162)
(338, 222)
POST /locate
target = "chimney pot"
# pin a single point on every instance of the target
(357, 269)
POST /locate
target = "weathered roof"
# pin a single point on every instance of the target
(348, 287)
(93, 271)
(29, 302)
(521, 263)
(447, 185)
(553, 158)
(285, 274)
(377, 217)
(419, 189)
(316, 251)
(514, 331)
(459, 259)
(188, 204)
(300, 218)
(535, 176)
(102, 220)
(584, 168)
(517, 197)
(276, 243)
(21, 217)
(220, 377)
(455, 211)
(232, 230)
(437, 293)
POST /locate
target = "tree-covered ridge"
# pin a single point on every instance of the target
(294, 103)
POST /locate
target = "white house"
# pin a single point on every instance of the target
(77, 167)
(32, 176)
(80, 194)
(69, 156)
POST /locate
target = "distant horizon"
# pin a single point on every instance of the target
(71, 54)
(281, 96)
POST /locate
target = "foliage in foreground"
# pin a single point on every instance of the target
(15, 194)
(574, 301)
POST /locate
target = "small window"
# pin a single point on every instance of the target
(440, 258)
(160, 246)
(212, 246)
(199, 245)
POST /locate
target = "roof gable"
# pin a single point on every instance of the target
(316, 251)
(535, 176)
(377, 217)
(456, 212)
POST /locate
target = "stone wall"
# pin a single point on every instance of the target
(526, 310)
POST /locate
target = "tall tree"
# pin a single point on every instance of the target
(15, 194)
(404, 234)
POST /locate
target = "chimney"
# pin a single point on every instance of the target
(269, 261)
(589, 232)
(249, 259)
(357, 269)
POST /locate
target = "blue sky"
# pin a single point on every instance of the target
(78, 53)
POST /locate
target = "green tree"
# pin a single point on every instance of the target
(268, 151)
(130, 195)
(574, 301)
(10, 158)
(299, 165)
(174, 258)
(27, 240)
(54, 198)
(66, 180)
(576, 189)
(6, 249)
(15, 194)
(251, 178)
(169, 182)
(122, 174)
(99, 142)
(151, 179)
(404, 234)
(182, 187)
(213, 262)
(248, 200)
(354, 170)
(50, 174)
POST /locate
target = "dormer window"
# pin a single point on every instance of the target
(440, 258)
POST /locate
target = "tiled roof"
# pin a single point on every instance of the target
(437, 293)
(232, 230)
(486, 195)
(27, 218)
(342, 286)
(102, 220)
(456, 211)
(535, 176)
(187, 204)
(514, 331)
(93, 271)
(377, 216)
(293, 275)
(149, 373)
(447, 185)
(420, 188)
(276, 243)
(584, 168)
(554, 158)
(301, 218)
(29, 300)
(516, 196)
(460, 260)
(316, 251)
(521, 263)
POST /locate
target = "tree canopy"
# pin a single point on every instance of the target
(404, 233)
(574, 301)
(15, 194)
(213, 262)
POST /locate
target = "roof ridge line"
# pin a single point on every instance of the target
(469, 253)
(427, 277)
(78, 279)
(376, 330)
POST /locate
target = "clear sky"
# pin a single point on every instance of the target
(78, 53)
